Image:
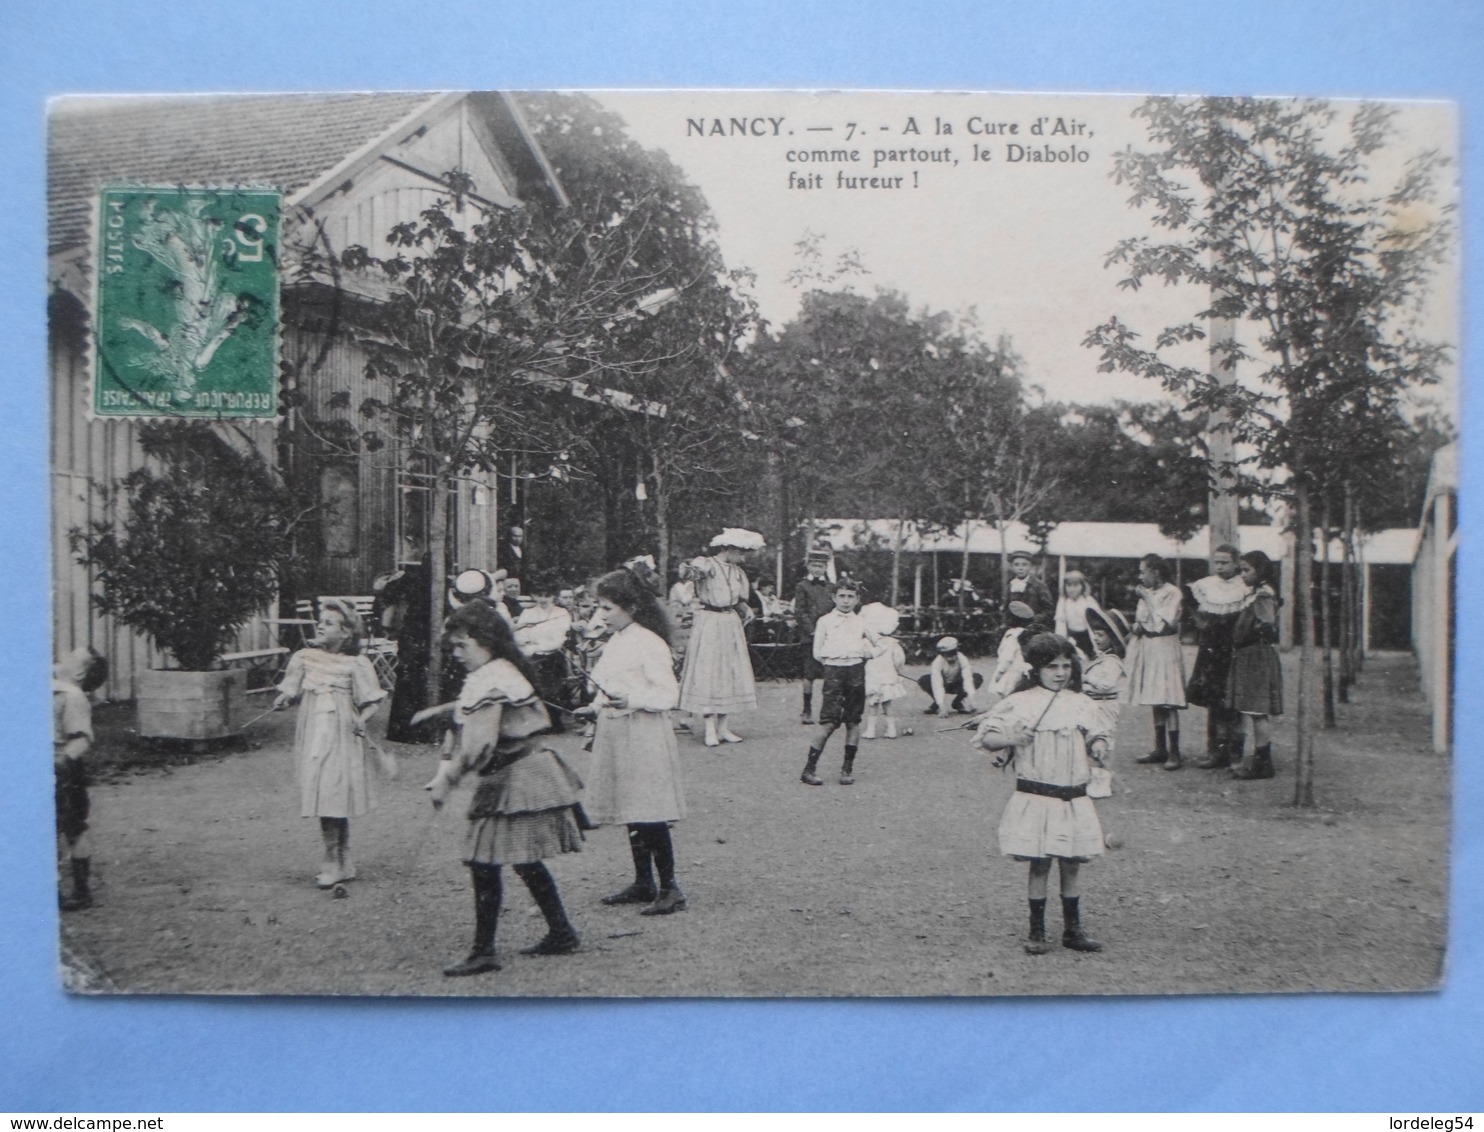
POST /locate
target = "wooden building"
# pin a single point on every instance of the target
(350, 167)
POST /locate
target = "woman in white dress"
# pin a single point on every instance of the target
(718, 672)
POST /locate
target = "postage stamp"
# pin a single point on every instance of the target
(187, 303)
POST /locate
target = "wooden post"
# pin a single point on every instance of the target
(1222, 502)
(1441, 615)
(917, 585)
(1365, 607)
(1288, 615)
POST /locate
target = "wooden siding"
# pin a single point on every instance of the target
(87, 453)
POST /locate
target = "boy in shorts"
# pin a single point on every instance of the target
(73, 677)
(842, 645)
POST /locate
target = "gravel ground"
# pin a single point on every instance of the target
(892, 886)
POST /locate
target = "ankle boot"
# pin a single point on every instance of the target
(809, 778)
(488, 889)
(561, 938)
(1072, 935)
(1218, 744)
(891, 727)
(1035, 942)
(869, 730)
(847, 768)
(1260, 765)
(642, 891)
(1161, 750)
(82, 893)
(1172, 761)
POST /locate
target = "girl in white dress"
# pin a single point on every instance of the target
(1156, 669)
(1052, 735)
(1072, 608)
(338, 692)
(883, 669)
(634, 778)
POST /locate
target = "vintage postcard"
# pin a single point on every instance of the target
(744, 543)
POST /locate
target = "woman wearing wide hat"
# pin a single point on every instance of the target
(718, 672)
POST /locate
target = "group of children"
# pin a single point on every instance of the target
(1058, 695)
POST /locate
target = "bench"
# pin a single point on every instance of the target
(252, 658)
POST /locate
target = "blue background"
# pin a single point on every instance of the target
(1398, 1052)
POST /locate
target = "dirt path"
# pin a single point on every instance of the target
(889, 887)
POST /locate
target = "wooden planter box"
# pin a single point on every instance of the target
(191, 705)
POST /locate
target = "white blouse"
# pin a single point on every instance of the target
(637, 663)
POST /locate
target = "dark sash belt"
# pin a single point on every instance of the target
(1046, 789)
(718, 608)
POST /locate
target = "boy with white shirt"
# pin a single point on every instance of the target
(842, 645)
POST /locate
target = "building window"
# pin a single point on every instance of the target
(340, 518)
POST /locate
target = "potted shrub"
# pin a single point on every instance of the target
(192, 548)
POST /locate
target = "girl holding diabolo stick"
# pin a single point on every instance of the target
(525, 806)
(339, 693)
(1053, 735)
(634, 777)
(1156, 670)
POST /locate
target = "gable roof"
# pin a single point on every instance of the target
(284, 140)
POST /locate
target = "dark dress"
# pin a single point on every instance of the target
(409, 592)
(1256, 682)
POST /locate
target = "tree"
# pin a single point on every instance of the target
(492, 317)
(206, 530)
(1267, 207)
(851, 399)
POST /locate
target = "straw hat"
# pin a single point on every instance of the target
(738, 538)
(1113, 623)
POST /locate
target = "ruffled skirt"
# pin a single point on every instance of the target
(523, 812)
(1034, 825)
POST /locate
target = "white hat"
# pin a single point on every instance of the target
(469, 585)
(880, 618)
(739, 538)
(948, 644)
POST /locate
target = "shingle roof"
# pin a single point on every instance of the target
(280, 140)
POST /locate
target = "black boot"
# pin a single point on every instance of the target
(1260, 766)
(642, 891)
(847, 768)
(1218, 742)
(561, 938)
(1035, 942)
(1172, 760)
(1072, 935)
(809, 778)
(487, 893)
(1243, 764)
(670, 899)
(82, 893)
(1161, 749)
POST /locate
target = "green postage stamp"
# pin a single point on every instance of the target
(187, 303)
